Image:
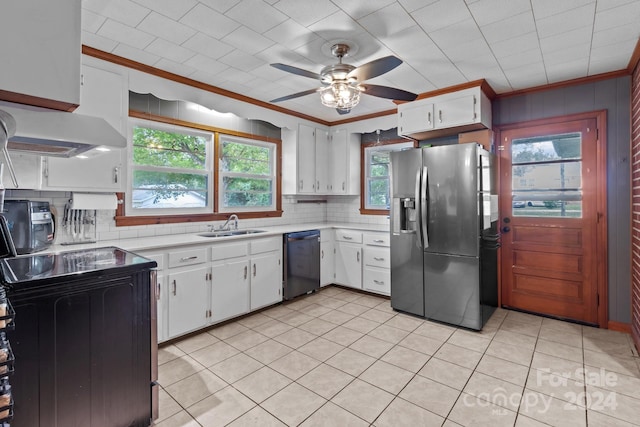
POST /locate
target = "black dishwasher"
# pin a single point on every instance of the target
(83, 338)
(301, 270)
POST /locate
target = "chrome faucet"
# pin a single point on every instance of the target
(226, 226)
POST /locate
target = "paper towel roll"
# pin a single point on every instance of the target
(93, 201)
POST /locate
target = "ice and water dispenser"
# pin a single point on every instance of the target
(404, 218)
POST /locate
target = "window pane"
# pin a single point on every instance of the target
(546, 148)
(154, 190)
(245, 192)
(245, 158)
(379, 170)
(152, 147)
(379, 193)
(547, 176)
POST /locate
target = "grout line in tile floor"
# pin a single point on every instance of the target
(417, 400)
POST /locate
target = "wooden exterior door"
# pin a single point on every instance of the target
(551, 204)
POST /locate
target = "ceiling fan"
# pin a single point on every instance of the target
(343, 83)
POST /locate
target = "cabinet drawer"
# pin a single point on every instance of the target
(377, 280)
(187, 257)
(158, 258)
(231, 250)
(348, 236)
(377, 257)
(266, 245)
(376, 239)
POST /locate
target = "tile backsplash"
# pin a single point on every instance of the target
(296, 210)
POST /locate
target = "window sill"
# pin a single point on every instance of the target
(122, 221)
(374, 211)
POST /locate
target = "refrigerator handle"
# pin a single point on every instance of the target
(424, 207)
(418, 207)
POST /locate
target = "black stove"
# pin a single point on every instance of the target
(38, 270)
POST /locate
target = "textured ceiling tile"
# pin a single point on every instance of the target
(170, 8)
(564, 40)
(614, 17)
(441, 14)
(169, 50)
(90, 21)
(387, 21)
(123, 11)
(513, 45)
(306, 13)
(256, 15)
(453, 35)
(546, 8)
(614, 35)
(135, 54)
(124, 34)
(359, 9)
(566, 21)
(208, 46)
(174, 67)
(98, 42)
(241, 60)
(489, 11)
(220, 5)
(206, 64)
(168, 29)
(247, 40)
(413, 5)
(291, 34)
(519, 59)
(513, 27)
(565, 70)
(209, 21)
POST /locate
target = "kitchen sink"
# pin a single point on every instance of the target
(227, 233)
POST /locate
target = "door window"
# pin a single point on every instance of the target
(547, 176)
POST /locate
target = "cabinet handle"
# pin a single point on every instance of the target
(245, 272)
(347, 237)
(358, 256)
(318, 185)
(429, 117)
(187, 258)
(116, 170)
(440, 116)
(322, 254)
(343, 183)
(378, 282)
(378, 240)
(254, 270)
(301, 184)
(175, 287)
(158, 291)
(378, 258)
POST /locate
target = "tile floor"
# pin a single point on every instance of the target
(341, 358)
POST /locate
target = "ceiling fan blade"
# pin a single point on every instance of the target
(342, 111)
(388, 92)
(294, 95)
(296, 70)
(375, 68)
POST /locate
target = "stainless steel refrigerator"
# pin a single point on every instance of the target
(444, 237)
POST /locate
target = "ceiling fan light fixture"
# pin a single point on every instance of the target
(340, 95)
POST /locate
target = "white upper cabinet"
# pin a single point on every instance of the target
(306, 155)
(344, 162)
(27, 169)
(323, 183)
(41, 53)
(104, 95)
(450, 113)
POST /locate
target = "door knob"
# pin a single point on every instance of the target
(506, 229)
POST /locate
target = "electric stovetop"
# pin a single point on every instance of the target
(38, 270)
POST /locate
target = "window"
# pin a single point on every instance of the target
(375, 180)
(182, 171)
(171, 170)
(247, 174)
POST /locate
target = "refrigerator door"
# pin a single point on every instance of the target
(407, 286)
(452, 286)
(452, 204)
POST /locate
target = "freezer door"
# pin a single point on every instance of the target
(452, 290)
(452, 205)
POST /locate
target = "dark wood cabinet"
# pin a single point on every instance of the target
(83, 354)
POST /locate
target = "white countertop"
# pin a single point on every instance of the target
(175, 240)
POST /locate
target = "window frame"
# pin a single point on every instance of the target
(123, 218)
(220, 174)
(364, 170)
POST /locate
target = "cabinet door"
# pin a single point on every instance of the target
(306, 159)
(161, 307)
(28, 169)
(229, 290)
(349, 264)
(338, 162)
(327, 269)
(455, 112)
(415, 117)
(99, 173)
(323, 182)
(266, 280)
(188, 300)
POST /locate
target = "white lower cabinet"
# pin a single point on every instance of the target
(349, 264)
(266, 271)
(188, 299)
(229, 289)
(377, 280)
(377, 263)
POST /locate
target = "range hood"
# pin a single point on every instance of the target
(60, 134)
